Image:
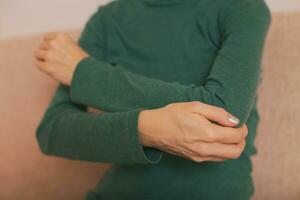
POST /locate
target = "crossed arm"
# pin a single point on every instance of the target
(231, 85)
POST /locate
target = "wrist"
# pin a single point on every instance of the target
(79, 69)
(147, 128)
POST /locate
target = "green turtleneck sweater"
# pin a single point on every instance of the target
(146, 54)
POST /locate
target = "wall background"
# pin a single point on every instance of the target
(19, 18)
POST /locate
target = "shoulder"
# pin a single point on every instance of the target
(250, 8)
(222, 10)
(114, 7)
(103, 11)
(245, 14)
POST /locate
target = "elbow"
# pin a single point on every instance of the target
(237, 106)
(227, 97)
(234, 103)
(45, 133)
(42, 134)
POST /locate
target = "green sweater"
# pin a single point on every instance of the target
(146, 54)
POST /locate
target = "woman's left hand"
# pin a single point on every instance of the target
(58, 56)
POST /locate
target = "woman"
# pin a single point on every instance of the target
(137, 59)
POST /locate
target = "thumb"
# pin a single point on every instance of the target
(215, 114)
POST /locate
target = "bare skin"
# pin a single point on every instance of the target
(192, 130)
(58, 56)
(188, 130)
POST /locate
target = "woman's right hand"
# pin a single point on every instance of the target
(188, 130)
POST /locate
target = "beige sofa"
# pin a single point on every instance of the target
(25, 92)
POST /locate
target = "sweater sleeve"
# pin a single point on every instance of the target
(231, 84)
(68, 130)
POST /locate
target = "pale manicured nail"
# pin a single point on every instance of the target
(233, 119)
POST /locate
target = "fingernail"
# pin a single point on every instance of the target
(233, 119)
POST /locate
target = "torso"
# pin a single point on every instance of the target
(185, 58)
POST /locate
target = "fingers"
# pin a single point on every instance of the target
(229, 135)
(54, 42)
(219, 150)
(42, 66)
(56, 35)
(44, 46)
(50, 36)
(40, 54)
(214, 113)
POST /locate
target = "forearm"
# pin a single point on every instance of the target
(73, 133)
(96, 83)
